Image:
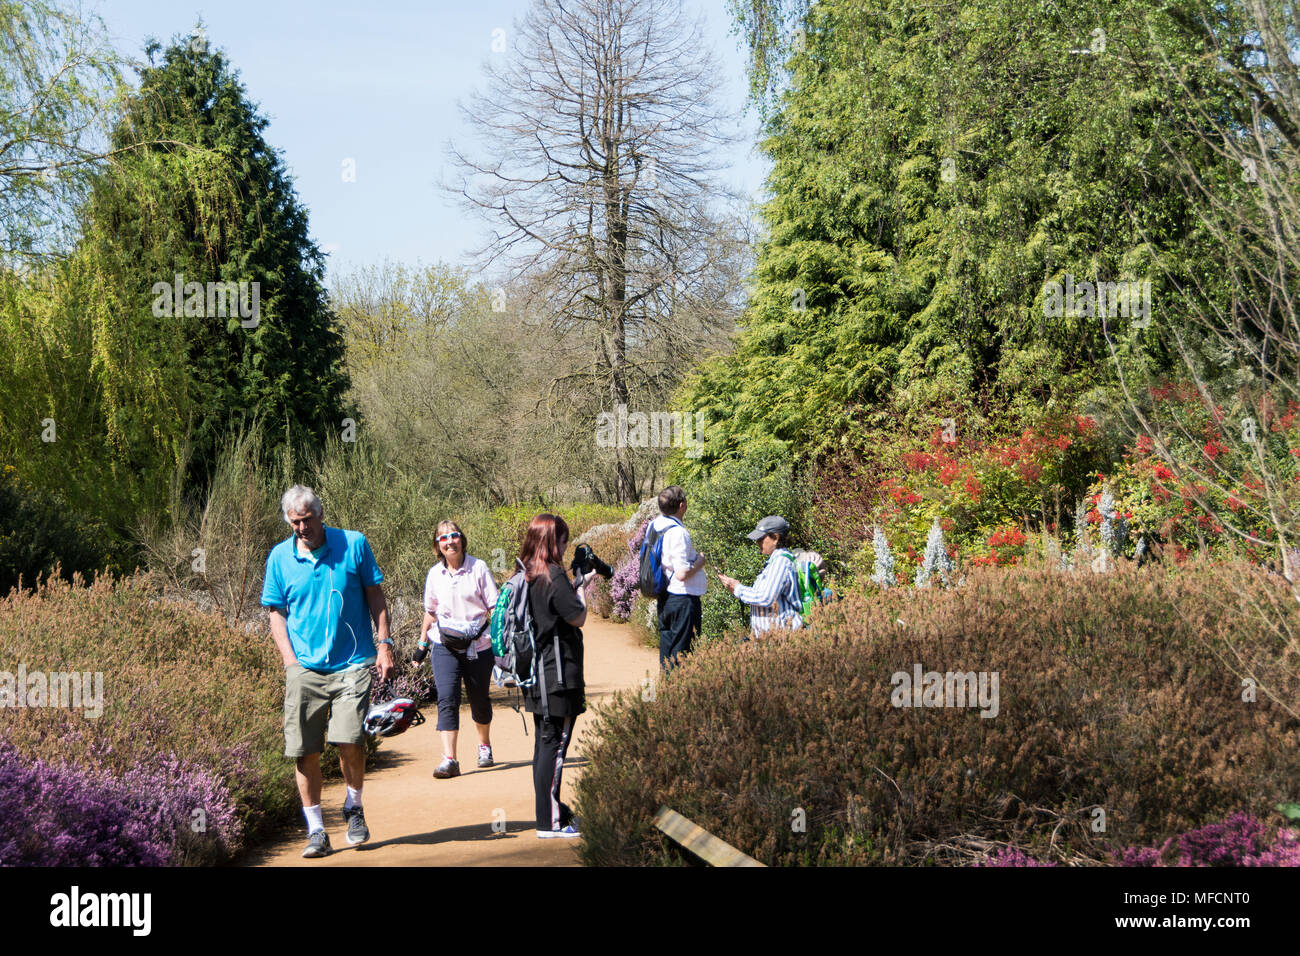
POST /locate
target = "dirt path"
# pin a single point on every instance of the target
(417, 820)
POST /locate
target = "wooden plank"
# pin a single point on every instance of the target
(700, 841)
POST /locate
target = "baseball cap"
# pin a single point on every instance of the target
(772, 524)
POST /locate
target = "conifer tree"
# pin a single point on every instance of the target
(206, 204)
(935, 170)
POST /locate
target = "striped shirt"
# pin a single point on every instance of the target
(774, 597)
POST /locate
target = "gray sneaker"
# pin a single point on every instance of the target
(448, 768)
(318, 844)
(358, 832)
(484, 755)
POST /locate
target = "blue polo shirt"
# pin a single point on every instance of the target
(328, 617)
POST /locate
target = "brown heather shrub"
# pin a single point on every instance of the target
(610, 545)
(645, 621)
(1115, 692)
(175, 680)
(598, 599)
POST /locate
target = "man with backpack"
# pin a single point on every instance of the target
(672, 572)
(774, 598)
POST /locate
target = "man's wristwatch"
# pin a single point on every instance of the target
(387, 640)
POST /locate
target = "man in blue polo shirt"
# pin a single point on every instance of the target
(322, 588)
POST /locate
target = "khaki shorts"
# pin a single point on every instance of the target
(314, 701)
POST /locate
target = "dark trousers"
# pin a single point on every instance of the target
(550, 744)
(448, 669)
(679, 622)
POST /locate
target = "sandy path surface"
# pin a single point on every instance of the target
(417, 820)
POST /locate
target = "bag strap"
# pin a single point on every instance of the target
(794, 571)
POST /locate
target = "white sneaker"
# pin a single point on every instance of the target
(568, 833)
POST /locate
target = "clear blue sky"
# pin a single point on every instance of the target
(378, 82)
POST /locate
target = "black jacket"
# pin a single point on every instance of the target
(552, 600)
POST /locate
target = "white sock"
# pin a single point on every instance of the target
(314, 821)
(353, 801)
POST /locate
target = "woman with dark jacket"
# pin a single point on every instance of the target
(557, 698)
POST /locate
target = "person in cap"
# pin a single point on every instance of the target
(773, 598)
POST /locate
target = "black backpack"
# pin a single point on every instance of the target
(515, 641)
(514, 636)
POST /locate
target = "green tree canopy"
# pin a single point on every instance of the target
(209, 201)
(935, 168)
(57, 73)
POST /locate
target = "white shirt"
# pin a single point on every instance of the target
(465, 598)
(677, 554)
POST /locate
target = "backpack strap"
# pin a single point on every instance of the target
(794, 572)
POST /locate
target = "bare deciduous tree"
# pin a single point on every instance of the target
(1239, 335)
(1226, 437)
(600, 131)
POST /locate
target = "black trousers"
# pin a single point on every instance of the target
(449, 667)
(550, 744)
(679, 622)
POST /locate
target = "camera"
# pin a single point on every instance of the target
(584, 560)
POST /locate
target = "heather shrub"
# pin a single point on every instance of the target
(598, 598)
(1116, 692)
(164, 810)
(624, 586)
(1012, 857)
(645, 620)
(987, 486)
(190, 705)
(609, 541)
(52, 816)
(1240, 840)
(410, 680)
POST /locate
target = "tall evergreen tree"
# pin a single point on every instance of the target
(936, 168)
(210, 201)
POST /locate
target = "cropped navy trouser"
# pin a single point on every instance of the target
(448, 669)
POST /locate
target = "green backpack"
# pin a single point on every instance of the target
(807, 580)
